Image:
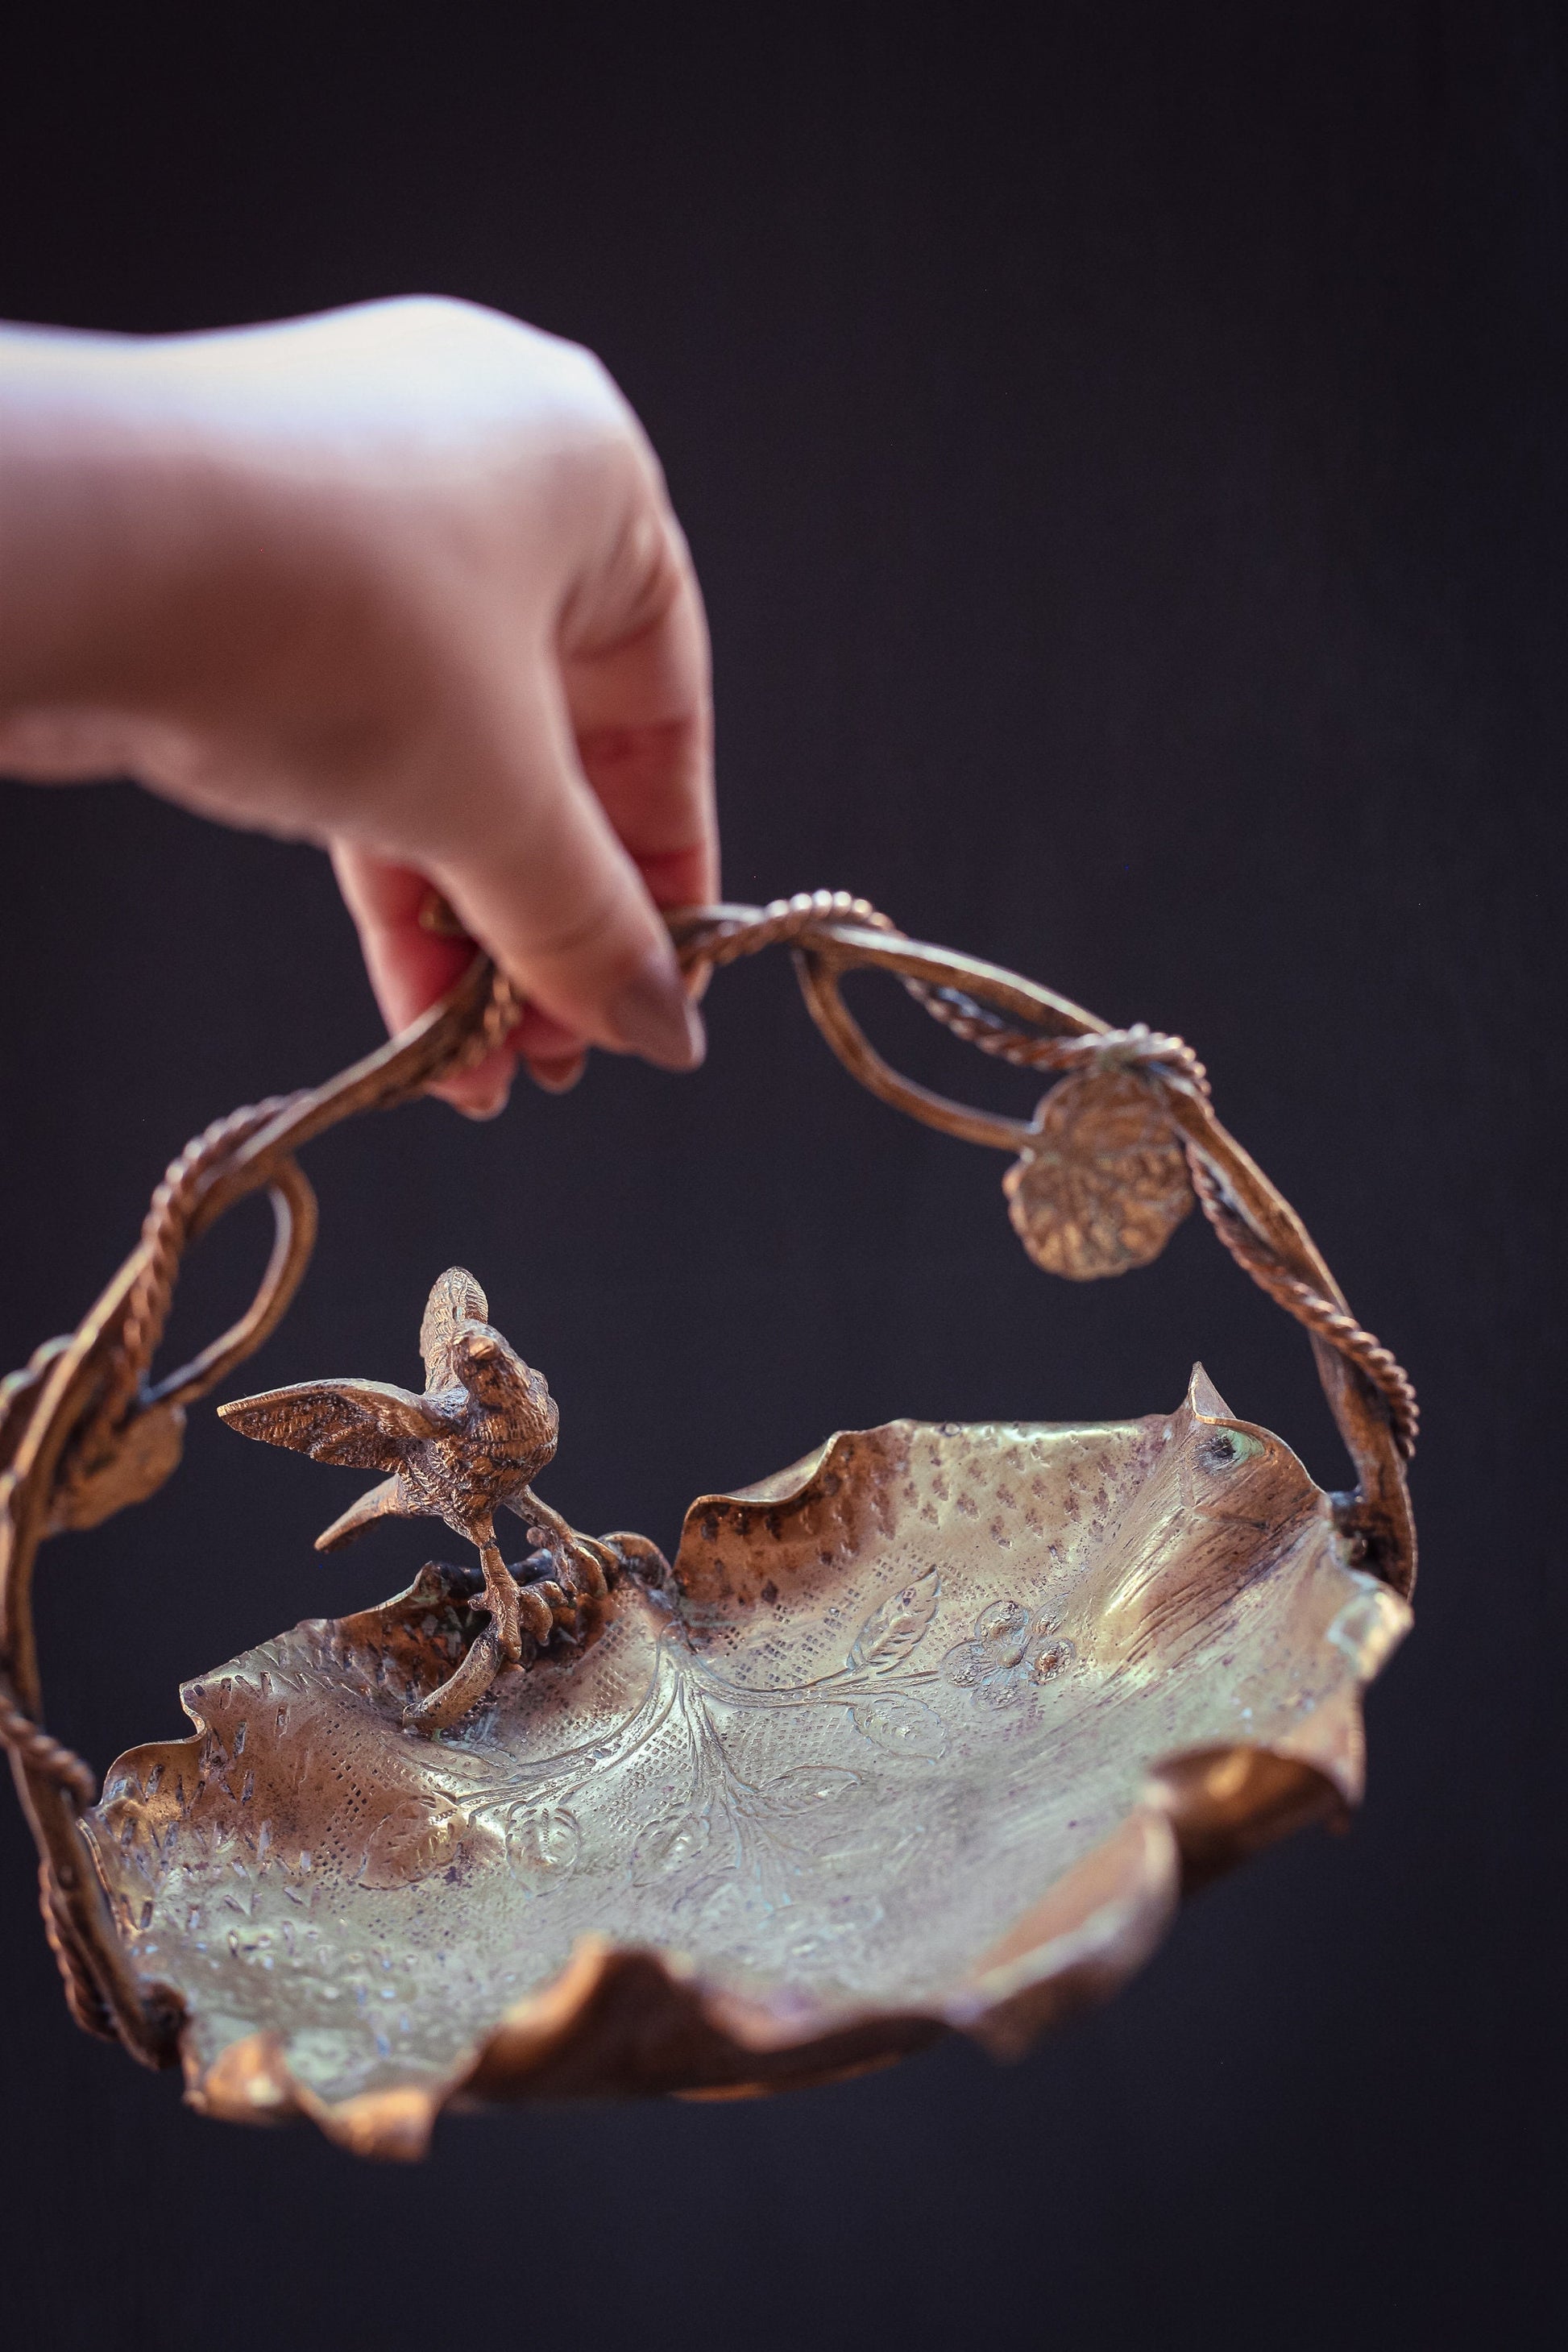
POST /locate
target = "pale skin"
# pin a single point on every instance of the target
(402, 580)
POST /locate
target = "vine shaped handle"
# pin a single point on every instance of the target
(970, 998)
(85, 1430)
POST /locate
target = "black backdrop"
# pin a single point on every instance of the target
(1123, 449)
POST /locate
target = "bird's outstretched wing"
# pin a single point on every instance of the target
(455, 1298)
(364, 1424)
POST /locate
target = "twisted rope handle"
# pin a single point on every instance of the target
(76, 1450)
(1171, 1057)
(47, 1756)
(832, 932)
(74, 1429)
(165, 1231)
(1335, 1324)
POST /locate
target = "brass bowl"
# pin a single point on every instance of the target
(925, 1733)
(921, 1733)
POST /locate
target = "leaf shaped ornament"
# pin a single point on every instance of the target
(918, 1735)
(1102, 1183)
(542, 1840)
(893, 1628)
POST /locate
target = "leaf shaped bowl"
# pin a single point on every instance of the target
(925, 1733)
(919, 1734)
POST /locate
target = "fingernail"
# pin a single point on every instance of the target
(558, 1077)
(654, 1016)
(489, 1106)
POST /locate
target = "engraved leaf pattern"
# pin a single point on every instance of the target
(900, 1725)
(893, 1628)
(669, 1845)
(543, 1842)
(806, 1787)
(411, 1843)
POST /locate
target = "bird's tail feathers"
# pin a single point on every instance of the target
(377, 1505)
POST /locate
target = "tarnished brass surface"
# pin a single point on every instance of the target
(923, 1733)
(890, 1751)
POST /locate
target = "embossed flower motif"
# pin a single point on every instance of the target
(1013, 1650)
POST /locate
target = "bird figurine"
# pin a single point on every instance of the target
(484, 1427)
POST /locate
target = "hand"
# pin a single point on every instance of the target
(402, 580)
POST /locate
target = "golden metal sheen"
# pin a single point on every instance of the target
(925, 1733)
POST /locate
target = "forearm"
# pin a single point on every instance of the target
(97, 526)
(160, 573)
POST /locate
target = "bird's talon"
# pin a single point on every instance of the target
(537, 1612)
(589, 1577)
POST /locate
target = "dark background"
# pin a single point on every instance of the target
(1124, 452)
